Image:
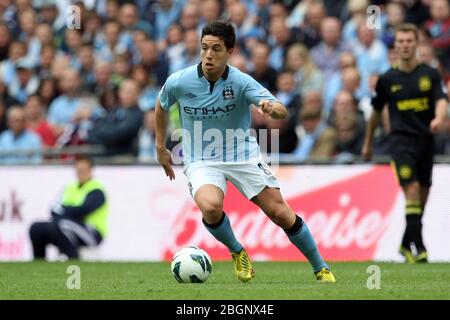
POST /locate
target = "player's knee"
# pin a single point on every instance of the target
(412, 191)
(211, 207)
(280, 214)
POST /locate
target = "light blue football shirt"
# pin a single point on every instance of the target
(215, 117)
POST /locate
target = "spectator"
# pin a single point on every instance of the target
(280, 39)
(17, 50)
(79, 217)
(350, 137)
(102, 73)
(6, 99)
(63, 108)
(317, 141)
(262, 71)
(121, 69)
(73, 40)
(439, 30)
(147, 140)
(395, 15)
(290, 98)
(108, 44)
(358, 14)
(130, 21)
(18, 144)
(166, 12)
(118, 130)
(334, 85)
(112, 10)
(37, 122)
(85, 67)
(47, 91)
(371, 55)
(239, 61)
(308, 32)
(307, 76)
(190, 17)
(174, 46)
(3, 121)
(326, 54)
(209, 11)
(46, 58)
(191, 53)
(148, 91)
(155, 64)
(244, 25)
(25, 83)
(5, 41)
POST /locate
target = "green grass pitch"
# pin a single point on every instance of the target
(274, 280)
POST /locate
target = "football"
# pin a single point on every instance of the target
(191, 265)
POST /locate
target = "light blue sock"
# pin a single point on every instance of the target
(304, 241)
(222, 231)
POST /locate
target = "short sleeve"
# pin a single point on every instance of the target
(167, 95)
(380, 98)
(439, 89)
(254, 92)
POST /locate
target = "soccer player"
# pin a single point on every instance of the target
(418, 108)
(214, 99)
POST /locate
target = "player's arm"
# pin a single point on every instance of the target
(367, 150)
(378, 102)
(441, 104)
(274, 109)
(163, 154)
(438, 123)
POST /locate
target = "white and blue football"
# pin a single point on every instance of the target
(191, 265)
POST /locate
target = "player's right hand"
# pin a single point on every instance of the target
(165, 160)
(367, 152)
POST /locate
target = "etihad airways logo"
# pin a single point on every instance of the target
(209, 112)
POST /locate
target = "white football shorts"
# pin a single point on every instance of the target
(249, 178)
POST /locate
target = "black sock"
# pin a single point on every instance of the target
(296, 227)
(413, 232)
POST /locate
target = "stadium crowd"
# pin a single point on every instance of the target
(62, 85)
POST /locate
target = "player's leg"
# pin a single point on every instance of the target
(405, 158)
(43, 233)
(208, 186)
(425, 172)
(209, 199)
(257, 183)
(274, 206)
(422, 255)
(413, 211)
(40, 237)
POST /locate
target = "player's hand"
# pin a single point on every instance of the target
(437, 125)
(367, 152)
(266, 107)
(165, 160)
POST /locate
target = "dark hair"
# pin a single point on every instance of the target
(85, 158)
(221, 29)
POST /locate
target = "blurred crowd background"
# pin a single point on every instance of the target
(96, 85)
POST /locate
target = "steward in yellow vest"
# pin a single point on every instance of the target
(79, 218)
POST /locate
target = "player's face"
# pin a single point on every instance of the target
(214, 55)
(405, 44)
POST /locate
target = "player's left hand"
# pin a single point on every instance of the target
(266, 107)
(437, 125)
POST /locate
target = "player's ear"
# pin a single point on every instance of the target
(230, 51)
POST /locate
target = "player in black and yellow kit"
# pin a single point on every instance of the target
(417, 109)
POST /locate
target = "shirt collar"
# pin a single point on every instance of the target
(224, 74)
